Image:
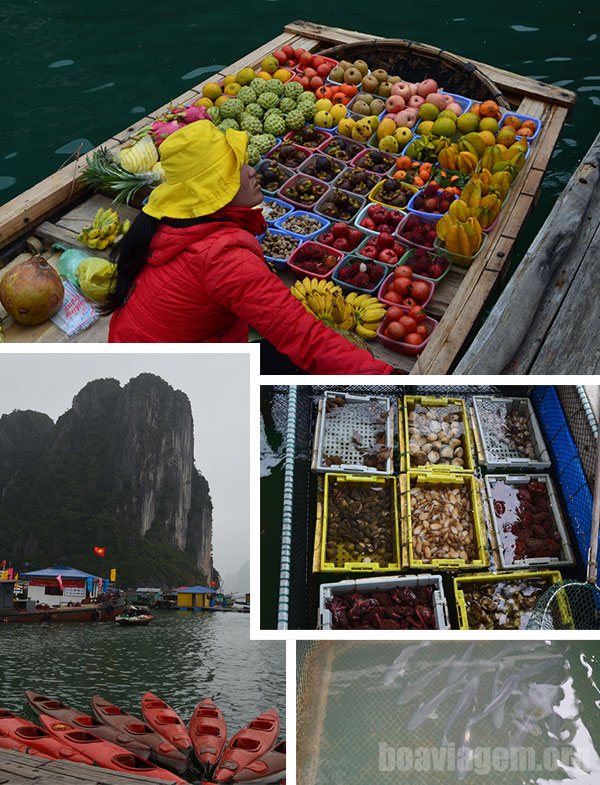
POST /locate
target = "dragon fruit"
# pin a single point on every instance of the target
(160, 129)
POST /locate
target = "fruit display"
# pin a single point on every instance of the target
(322, 167)
(303, 190)
(342, 237)
(442, 523)
(368, 314)
(277, 245)
(359, 274)
(383, 248)
(504, 604)
(407, 290)
(314, 259)
(313, 70)
(357, 181)
(289, 155)
(31, 291)
(484, 208)
(103, 171)
(432, 200)
(342, 149)
(308, 136)
(412, 172)
(426, 148)
(339, 205)
(401, 608)
(426, 264)
(417, 231)
(326, 302)
(301, 224)
(436, 435)
(104, 229)
(392, 192)
(336, 94)
(329, 115)
(140, 155)
(486, 109)
(272, 175)
(375, 161)
(498, 158)
(366, 105)
(459, 232)
(522, 126)
(403, 334)
(377, 218)
(272, 210)
(288, 56)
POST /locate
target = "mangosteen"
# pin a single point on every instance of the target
(376, 157)
(269, 176)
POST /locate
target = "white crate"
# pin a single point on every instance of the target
(566, 553)
(337, 433)
(498, 456)
(330, 590)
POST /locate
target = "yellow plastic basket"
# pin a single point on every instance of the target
(443, 478)
(410, 401)
(345, 563)
(373, 195)
(552, 576)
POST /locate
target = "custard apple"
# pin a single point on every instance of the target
(251, 124)
(215, 114)
(275, 112)
(294, 120)
(267, 100)
(255, 110)
(246, 95)
(287, 105)
(258, 85)
(307, 95)
(253, 154)
(307, 109)
(293, 90)
(264, 142)
(275, 86)
(232, 109)
(274, 125)
(229, 123)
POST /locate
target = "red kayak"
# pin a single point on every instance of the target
(163, 752)
(105, 753)
(208, 732)
(247, 745)
(165, 720)
(26, 733)
(269, 768)
(42, 704)
(6, 743)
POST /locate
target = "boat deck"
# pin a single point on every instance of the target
(54, 209)
(19, 769)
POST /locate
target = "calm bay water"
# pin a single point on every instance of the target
(182, 657)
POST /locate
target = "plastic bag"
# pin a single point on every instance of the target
(69, 262)
(96, 277)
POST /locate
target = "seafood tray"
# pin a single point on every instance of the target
(442, 522)
(527, 521)
(509, 435)
(409, 595)
(360, 524)
(354, 433)
(508, 599)
(434, 434)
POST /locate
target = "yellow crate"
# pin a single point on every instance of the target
(350, 566)
(553, 576)
(443, 478)
(404, 440)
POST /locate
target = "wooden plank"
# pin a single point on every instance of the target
(498, 257)
(254, 58)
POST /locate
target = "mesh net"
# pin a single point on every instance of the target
(568, 605)
(520, 713)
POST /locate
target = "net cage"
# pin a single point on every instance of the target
(567, 425)
(406, 713)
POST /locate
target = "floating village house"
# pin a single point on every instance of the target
(60, 585)
(195, 598)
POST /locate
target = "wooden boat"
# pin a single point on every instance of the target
(270, 767)
(134, 617)
(248, 744)
(58, 207)
(165, 720)
(42, 704)
(26, 733)
(104, 753)
(162, 751)
(90, 612)
(208, 732)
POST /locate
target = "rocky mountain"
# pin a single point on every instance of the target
(116, 470)
(239, 581)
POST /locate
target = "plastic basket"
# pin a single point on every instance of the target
(565, 556)
(400, 346)
(363, 212)
(350, 250)
(390, 267)
(292, 181)
(344, 558)
(463, 582)
(325, 198)
(359, 96)
(457, 258)
(348, 171)
(366, 585)
(350, 287)
(498, 455)
(271, 155)
(324, 224)
(537, 121)
(307, 163)
(289, 172)
(326, 136)
(281, 203)
(429, 478)
(300, 272)
(406, 259)
(280, 264)
(429, 217)
(464, 102)
(374, 195)
(351, 420)
(359, 159)
(389, 280)
(353, 148)
(408, 405)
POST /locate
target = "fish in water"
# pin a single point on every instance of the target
(463, 704)
(415, 687)
(427, 709)
(463, 663)
(398, 667)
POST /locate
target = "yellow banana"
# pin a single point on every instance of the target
(364, 332)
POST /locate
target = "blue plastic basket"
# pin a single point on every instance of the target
(314, 216)
(280, 202)
(429, 217)
(464, 102)
(538, 124)
(280, 264)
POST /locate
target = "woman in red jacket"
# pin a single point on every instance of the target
(191, 270)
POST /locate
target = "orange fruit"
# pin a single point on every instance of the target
(526, 130)
(512, 121)
(529, 124)
(475, 109)
(489, 109)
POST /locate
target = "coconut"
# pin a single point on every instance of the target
(32, 291)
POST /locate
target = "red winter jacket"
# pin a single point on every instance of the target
(208, 282)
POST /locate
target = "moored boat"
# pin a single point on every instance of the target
(104, 753)
(42, 704)
(162, 751)
(248, 744)
(269, 768)
(27, 733)
(134, 617)
(208, 732)
(6, 743)
(165, 720)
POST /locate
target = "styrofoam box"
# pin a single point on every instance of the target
(330, 590)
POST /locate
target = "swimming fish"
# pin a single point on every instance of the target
(463, 704)
(458, 669)
(415, 687)
(427, 709)
(397, 668)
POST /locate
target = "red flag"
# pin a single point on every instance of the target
(99, 551)
(60, 583)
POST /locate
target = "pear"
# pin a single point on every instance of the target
(362, 67)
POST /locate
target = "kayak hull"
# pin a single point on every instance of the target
(165, 721)
(208, 732)
(269, 768)
(248, 744)
(30, 735)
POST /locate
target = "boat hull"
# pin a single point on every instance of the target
(165, 721)
(26, 733)
(208, 732)
(104, 611)
(248, 744)
(269, 768)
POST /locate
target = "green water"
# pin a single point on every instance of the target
(180, 656)
(367, 735)
(76, 73)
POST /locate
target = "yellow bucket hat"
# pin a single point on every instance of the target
(202, 171)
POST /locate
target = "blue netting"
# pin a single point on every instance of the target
(568, 469)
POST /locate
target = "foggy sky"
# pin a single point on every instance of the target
(218, 388)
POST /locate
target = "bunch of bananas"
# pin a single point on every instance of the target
(104, 230)
(368, 312)
(460, 231)
(483, 207)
